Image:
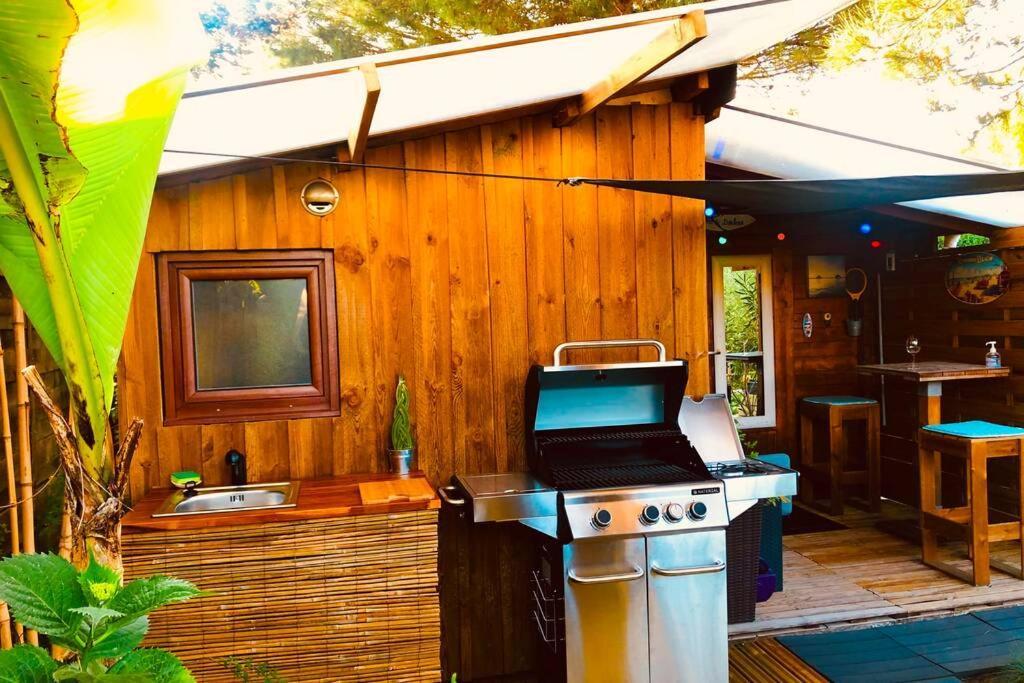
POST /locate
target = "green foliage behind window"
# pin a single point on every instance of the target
(958, 241)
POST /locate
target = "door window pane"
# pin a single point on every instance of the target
(743, 329)
(251, 333)
(744, 353)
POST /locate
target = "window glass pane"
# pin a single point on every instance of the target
(251, 333)
(743, 340)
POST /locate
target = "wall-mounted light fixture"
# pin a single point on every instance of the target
(319, 197)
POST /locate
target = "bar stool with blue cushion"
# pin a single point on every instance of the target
(836, 412)
(975, 442)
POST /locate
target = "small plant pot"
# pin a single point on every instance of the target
(402, 462)
(853, 327)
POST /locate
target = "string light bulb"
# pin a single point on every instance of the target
(723, 239)
(875, 244)
(865, 228)
(709, 211)
(781, 236)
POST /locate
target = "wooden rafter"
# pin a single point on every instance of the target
(360, 131)
(688, 87)
(680, 34)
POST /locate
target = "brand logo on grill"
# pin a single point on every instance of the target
(704, 492)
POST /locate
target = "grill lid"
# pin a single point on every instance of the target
(605, 425)
(710, 427)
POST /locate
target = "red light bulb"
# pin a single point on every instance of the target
(875, 244)
(781, 236)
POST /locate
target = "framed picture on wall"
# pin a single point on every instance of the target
(826, 276)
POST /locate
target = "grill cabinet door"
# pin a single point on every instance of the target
(606, 611)
(686, 587)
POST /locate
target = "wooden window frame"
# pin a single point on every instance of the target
(183, 402)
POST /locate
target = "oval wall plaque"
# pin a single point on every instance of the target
(977, 278)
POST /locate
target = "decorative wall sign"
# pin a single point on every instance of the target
(808, 325)
(977, 278)
(826, 276)
(728, 221)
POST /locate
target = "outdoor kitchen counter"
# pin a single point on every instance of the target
(318, 499)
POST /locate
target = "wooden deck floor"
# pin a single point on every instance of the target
(765, 660)
(852, 578)
(862, 575)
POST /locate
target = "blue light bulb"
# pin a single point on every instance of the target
(865, 228)
(709, 212)
(723, 240)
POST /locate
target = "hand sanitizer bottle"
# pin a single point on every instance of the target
(992, 357)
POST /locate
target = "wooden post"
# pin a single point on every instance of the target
(28, 541)
(12, 496)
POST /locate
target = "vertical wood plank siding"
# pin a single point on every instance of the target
(457, 283)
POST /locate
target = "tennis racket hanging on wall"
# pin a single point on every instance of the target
(856, 284)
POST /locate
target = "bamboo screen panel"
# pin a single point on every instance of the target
(344, 599)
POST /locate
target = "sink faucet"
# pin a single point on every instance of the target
(236, 463)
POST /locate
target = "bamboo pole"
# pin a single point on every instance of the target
(12, 496)
(28, 533)
(5, 627)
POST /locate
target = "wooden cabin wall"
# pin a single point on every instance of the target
(916, 302)
(459, 284)
(825, 363)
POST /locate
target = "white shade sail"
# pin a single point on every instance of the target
(782, 148)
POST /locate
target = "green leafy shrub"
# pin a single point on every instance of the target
(90, 614)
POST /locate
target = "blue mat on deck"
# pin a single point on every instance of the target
(933, 650)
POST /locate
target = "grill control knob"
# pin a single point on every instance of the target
(697, 511)
(674, 512)
(602, 518)
(650, 515)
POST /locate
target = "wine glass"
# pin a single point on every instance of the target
(913, 348)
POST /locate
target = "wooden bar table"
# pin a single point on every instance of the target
(929, 376)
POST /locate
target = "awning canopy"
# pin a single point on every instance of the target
(812, 196)
(316, 106)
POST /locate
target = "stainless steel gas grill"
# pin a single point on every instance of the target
(631, 516)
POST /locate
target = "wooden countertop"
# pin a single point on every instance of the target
(933, 371)
(318, 499)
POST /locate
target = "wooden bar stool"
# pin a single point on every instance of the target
(836, 411)
(976, 443)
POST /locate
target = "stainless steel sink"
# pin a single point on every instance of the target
(230, 499)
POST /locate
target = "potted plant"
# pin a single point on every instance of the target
(400, 457)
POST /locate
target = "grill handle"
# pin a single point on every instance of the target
(445, 493)
(689, 571)
(608, 344)
(637, 573)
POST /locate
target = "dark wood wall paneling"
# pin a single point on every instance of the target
(459, 284)
(917, 303)
(824, 364)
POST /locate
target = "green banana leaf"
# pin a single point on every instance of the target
(88, 89)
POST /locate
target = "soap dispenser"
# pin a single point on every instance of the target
(992, 359)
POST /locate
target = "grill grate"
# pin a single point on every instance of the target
(574, 478)
(586, 436)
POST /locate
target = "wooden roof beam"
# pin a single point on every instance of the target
(688, 87)
(360, 132)
(685, 31)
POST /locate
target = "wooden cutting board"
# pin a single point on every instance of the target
(396, 490)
